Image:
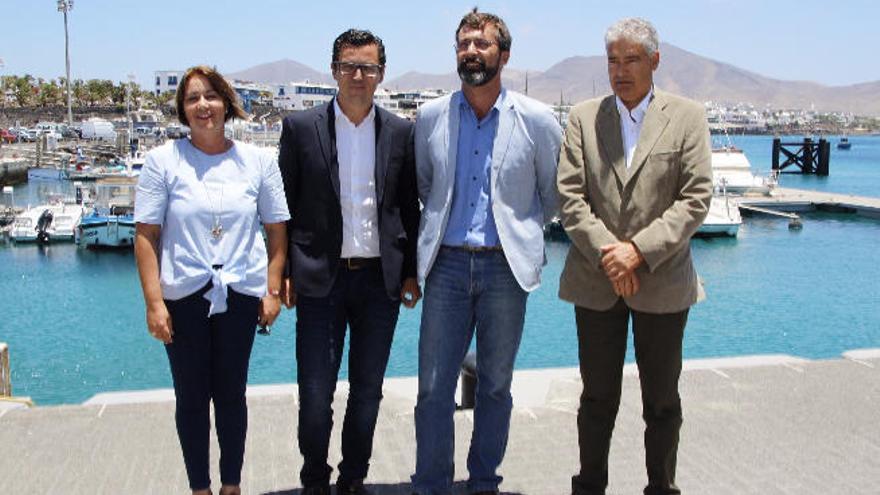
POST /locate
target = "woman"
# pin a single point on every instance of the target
(204, 269)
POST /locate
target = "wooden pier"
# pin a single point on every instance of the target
(800, 200)
(807, 156)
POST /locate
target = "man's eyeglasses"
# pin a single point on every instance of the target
(479, 43)
(349, 68)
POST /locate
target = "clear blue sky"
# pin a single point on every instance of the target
(832, 43)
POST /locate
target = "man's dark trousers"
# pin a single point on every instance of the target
(358, 299)
(602, 339)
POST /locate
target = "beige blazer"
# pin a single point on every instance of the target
(658, 203)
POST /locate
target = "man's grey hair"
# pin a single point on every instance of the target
(636, 30)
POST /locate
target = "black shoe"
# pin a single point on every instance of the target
(355, 487)
(486, 492)
(316, 490)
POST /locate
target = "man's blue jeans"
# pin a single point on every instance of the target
(466, 292)
(358, 300)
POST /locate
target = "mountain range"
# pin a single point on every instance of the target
(580, 77)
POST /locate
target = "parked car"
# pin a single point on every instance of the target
(8, 136)
(52, 133)
(69, 133)
(143, 131)
(21, 133)
(176, 131)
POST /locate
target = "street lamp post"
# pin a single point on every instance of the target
(66, 6)
(128, 97)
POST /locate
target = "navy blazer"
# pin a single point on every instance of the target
(310, 170)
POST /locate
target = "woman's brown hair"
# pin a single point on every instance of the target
(218, 82)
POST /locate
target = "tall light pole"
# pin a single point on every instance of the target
(66, 6)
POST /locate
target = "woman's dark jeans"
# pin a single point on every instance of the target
(209, 359)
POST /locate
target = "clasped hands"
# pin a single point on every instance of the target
(620, 260)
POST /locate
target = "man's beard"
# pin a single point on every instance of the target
(476, 76)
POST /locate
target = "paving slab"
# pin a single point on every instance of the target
(755, 425)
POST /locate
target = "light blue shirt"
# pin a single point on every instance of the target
(471, 222)
(187, 192)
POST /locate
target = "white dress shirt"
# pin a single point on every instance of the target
(631, 124)
(187, 192)
(356, 154)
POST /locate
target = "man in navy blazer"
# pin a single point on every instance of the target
(348, 170)
(486, 165)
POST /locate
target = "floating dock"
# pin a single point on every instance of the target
(800, 200)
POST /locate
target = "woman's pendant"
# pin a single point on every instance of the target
(217, 231)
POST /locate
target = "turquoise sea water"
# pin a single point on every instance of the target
(74, 319)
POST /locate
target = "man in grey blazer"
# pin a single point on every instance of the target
(635, 183)
(486, 167)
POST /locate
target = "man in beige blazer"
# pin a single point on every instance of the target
(635, 183)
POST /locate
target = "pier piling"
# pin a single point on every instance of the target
(5, 376)
(809, 157)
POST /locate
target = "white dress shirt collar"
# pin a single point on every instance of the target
(637, 114)
(341, 117)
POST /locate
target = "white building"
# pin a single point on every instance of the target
(301, 95)
(167, 81)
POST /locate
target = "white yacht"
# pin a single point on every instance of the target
(730, 165)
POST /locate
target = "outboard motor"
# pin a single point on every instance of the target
(43, 224)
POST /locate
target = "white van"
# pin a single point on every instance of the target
(98, 129)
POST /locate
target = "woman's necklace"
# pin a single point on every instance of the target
(216, 226)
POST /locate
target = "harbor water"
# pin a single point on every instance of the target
(74, 318)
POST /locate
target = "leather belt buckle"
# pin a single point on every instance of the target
(357, 263)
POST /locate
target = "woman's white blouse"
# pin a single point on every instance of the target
(185, 191)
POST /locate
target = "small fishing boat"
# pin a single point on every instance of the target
(110, 223)
(112, 227)
(844, 143)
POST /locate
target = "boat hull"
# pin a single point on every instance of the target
(106, 232)
(723, 219)
(717, 230)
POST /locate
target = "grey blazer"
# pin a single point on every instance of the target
(524, 156)
(658, 203)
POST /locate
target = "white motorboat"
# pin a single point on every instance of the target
(723, 219)
(730, 165)
(51, 222)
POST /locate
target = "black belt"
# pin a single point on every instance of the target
(475, 249)
(359, 263)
